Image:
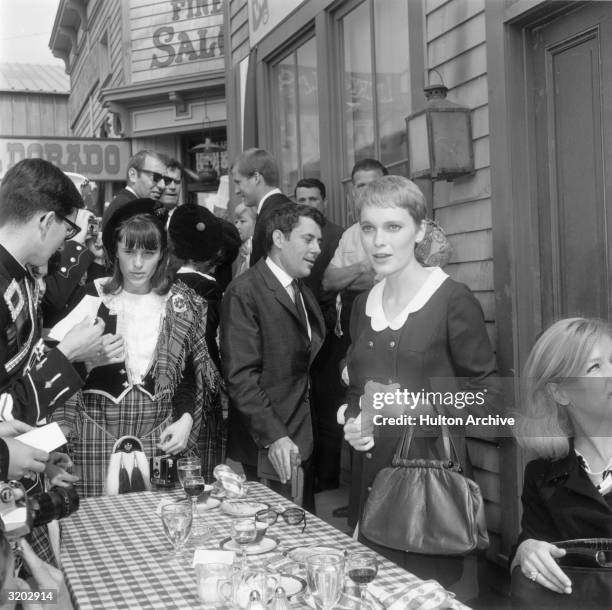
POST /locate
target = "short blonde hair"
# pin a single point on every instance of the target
(560, 352)
(393, 192)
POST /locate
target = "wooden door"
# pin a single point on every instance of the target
(570, 66)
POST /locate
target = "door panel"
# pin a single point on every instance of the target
(571, 67)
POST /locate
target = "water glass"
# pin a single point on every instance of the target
(244, 531)
(325, 575)
(176, 519)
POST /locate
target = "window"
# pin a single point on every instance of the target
(297, 127)
(375, 98)
(104, 58)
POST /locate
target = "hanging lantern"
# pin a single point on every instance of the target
(440, 138)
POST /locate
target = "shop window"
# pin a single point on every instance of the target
(375, 92)
(297, 128)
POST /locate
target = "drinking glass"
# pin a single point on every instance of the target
(325, 575)
(191, 466)
(362, 568)
(244, 531)
(194, 488)
(176, 519)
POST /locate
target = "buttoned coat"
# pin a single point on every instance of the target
(266, 356)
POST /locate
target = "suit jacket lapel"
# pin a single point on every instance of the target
(281, 295)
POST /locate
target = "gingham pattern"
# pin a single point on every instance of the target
(115, 554)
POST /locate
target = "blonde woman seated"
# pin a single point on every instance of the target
(567, 407)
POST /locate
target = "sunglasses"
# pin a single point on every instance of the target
(73, 229)
(157, 176)
(292, 516)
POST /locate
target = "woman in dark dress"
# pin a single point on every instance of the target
(567, 424)
(416, 329)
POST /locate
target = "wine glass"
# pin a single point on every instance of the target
(189, 466)
(194, 488)
(362, 569)
(325, 575)
(176, 519)
(244, 531)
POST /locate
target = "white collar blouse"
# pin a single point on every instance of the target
(374, 304)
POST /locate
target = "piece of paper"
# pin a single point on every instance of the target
(48, 438)
(87, 307)
(207, 556)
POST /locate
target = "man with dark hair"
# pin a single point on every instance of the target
(171, 195)
(256, 177)
(327, 389)
(146, 179)
(271, 330)
(38, 207)
(349, 270)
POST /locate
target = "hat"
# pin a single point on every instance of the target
(114, 217)
(195, 232)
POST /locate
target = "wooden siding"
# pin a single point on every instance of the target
(104, 17)
(33, 114)
(456, 48)
(239, 28)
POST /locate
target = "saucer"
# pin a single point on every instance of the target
(266, 545)
(242, 508)
(300, 554)
(208, 505)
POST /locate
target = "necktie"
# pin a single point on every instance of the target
(297, 298)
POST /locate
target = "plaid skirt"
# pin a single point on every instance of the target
(103, 422)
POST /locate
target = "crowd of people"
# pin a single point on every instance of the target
(169, 330)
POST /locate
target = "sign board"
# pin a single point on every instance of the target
(265, 15)
(95, 158)
(175, 38)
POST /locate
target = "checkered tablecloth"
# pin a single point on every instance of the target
(115, 553)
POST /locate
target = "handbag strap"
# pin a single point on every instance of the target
(403, 445)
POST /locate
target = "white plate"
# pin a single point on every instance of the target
(242, 508)
(299, 554)
(208, 505)
(292, 584)
(266, 545)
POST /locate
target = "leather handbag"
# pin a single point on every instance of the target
(425, 506)
(587, 563)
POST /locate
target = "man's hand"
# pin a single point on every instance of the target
(353, 434)
(279, 453)
(83, 341)
(112, 351)
(83, 217)
(23, 459)
(9, 429)
(174, 438)
(57, 470)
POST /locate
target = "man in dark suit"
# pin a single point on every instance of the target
(327, 389)
(271, 330)
(255, 175)
(146, 178)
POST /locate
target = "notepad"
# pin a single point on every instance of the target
(48, 438)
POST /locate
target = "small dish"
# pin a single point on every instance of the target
(300, 554)
(242, 508)
(266, 545)
(293, 585)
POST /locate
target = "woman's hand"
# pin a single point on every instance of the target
(57, 470)
(537, 561)
(352, 434)
(174, 438)
(111, 351)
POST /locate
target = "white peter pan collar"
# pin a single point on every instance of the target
(374, 307)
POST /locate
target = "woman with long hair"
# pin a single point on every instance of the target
(146, 391)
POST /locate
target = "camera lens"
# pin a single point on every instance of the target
(57, 503)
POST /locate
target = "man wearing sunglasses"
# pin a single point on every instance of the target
(171, 195)
(146, 178)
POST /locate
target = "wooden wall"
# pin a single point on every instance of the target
(456, 48)
(104, 18)
(33, 114)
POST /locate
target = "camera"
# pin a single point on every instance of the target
(21, 513)
(163, 470)
(94, 226)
